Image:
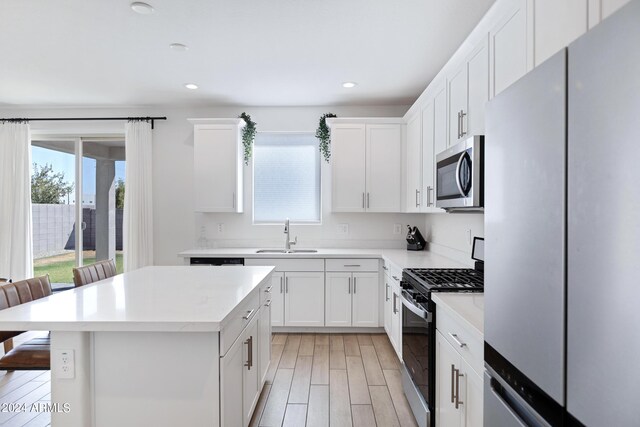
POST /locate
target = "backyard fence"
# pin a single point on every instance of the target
(54, 229)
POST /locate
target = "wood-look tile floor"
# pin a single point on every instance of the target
(314, 380)
(333, 380)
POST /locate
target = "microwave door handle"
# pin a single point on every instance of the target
(458, 166)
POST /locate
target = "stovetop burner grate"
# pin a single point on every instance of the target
(448, 279)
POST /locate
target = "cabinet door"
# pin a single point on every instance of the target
(557, 23)
(277, 299)
(250, 372)
(338, 299)
(428, 156)
(447, 359)
(366, 288)
(264, 341)
(511, 48)
(440, 124)
(217, 168)
(457, 103)
(478, 90)
(348, 168)
(396, 321)
(471, 393)
(384, 168)
(304, 299)
(231, 371)
(413, 158)
(388, 307)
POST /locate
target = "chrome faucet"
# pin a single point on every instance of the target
(288, 242)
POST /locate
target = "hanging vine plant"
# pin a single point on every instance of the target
(323, 133)
(248, 136)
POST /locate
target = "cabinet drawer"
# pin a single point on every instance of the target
(238, 320)
(297, 264)
(392, 270)
(467, 342)
(352, 265)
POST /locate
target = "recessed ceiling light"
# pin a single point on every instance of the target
(142, 8)
(349, 85)
(191, 86)
(179, 47)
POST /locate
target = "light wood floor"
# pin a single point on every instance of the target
(313, 380)
(333, 380)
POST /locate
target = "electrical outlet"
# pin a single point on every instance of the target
(343, 228)
(397, 228)
(221, 227)
(66, 366)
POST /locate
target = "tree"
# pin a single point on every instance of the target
(47, 186)
(120, 194)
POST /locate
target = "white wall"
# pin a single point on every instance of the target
(448, 233)
(176, 225)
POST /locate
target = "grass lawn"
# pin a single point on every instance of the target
(60, 267)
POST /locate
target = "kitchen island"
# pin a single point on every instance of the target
(161, 346)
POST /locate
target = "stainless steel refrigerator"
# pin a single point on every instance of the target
(562, 230)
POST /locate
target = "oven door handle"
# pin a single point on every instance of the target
(418, 311)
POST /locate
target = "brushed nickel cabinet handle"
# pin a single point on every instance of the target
(352, 265)
(280, 284)
(286, 285)
(362, 200)
(457, 340)
(368, 201)
(268, 289)
(458, 401)
(248, 315)
(453, 376)
(462, 131)
(249, 343)
(386, 292)
(268, 304)
(349, 287)
(417, 198)
(354, 285)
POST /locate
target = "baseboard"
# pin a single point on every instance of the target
(325, 330)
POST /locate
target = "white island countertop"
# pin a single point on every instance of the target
(167, 299)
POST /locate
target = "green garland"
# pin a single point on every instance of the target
(248, 135)
(323, 133)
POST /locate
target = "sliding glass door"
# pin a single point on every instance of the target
(77, 202)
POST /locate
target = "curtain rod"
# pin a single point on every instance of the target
(58, 119)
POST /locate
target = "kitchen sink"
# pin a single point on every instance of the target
(283, 251)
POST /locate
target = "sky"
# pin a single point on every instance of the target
(65, 163)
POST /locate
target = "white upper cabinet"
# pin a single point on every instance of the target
(440, 121)
(468, 94)
(511, 44)
(558, 23)
(218, 157)
(366, 165)
(607, 7)
(413, 169)
(384, 167)
(348, 143)
(428, 155)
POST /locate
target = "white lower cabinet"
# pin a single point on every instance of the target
(304, 299)
(264, 340)
(240, 384)
(352, 299)
(393, 308)
(459, 367)
(277, 299)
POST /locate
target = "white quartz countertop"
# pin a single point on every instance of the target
(468, 308)
(167, 299)
(399, 257)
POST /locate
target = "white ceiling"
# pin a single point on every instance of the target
(241, 52)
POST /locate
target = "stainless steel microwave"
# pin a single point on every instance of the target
(460, 175)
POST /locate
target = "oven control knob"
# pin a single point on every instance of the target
(420, 298)
(405, 285)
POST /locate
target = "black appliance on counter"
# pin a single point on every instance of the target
(415, 241)
(419, 327)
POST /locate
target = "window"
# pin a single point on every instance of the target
(286, 178)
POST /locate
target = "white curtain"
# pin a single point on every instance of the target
(16, 235)
(138, 203)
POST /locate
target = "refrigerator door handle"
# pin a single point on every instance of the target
(506, 404)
